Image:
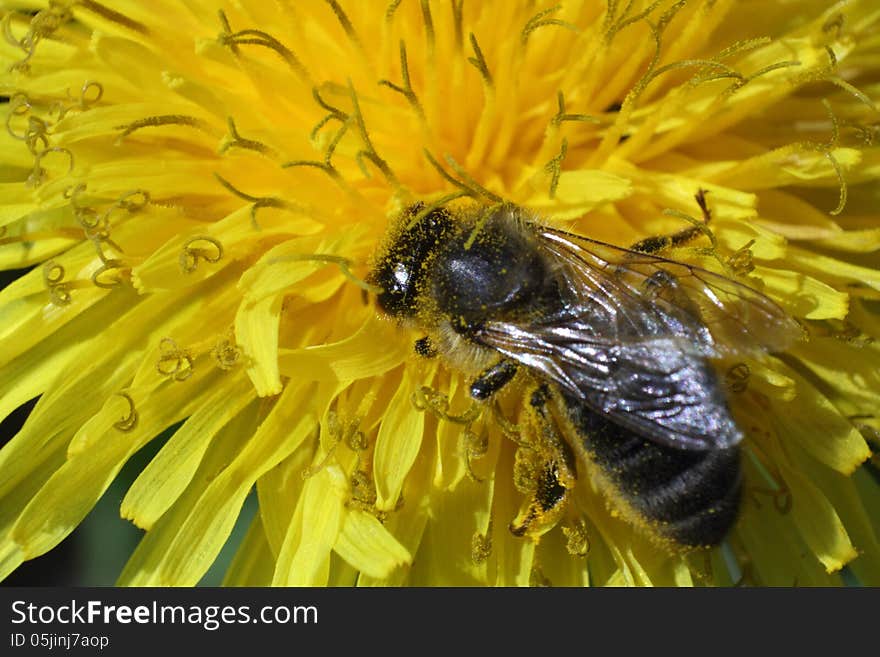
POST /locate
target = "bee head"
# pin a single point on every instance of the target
(400, 270)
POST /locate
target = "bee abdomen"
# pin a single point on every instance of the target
(690, 497)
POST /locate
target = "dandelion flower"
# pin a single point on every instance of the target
(198, 188)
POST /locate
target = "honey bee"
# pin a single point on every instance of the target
(618, 342)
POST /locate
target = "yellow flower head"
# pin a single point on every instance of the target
(200, 189)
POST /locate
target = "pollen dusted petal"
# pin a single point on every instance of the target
(559, 565)
(450, 467)
(512, 559)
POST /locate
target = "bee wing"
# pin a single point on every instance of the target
(632, 340)
(723, 317)
(660, 388)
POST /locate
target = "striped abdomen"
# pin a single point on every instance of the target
(687, 496)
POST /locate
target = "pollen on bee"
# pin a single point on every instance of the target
(577, 541)
(481, 546)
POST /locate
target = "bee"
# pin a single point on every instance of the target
(618, 342)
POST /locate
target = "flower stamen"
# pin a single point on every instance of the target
(406, 90)
(554, 168)
(81, 104)
(42, 25)
(437, 403)
(53, 275)
(174, 362)
(235, 140)
(232, 40)
(562, 115)
(369, 150)
(344, 265)
(108, 265)
(479, 62)
(623, 21)
(458, 23)
(114, 16)
(158, 121)
(190, 256)
(258, 201)
(129, 421)
(476, 446)
(226, 352)
(538, 20)
(428, 20)
(38, 175)
(346, 24)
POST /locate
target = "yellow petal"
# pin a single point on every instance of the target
(397, 445)
(365, 543)
(813, 422)
(304, 559)
(802, 295)
(577, 192)
(77, 485)
(354, 358)
(164, 479)
(179, 551)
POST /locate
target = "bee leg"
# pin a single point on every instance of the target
(493, 379)
(552, 442)
(656, 244)
(541, 513)
(553, 480)
(425, 348)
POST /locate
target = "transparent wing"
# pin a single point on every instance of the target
(632, 338)
(726, 318)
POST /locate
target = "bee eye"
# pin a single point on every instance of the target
(402, 268)
(401, 274)
(398, 281)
